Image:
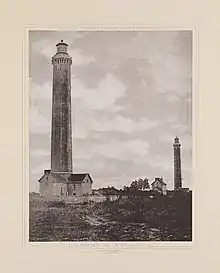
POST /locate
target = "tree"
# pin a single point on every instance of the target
(134, 185)
(146, 184)
(140, 184)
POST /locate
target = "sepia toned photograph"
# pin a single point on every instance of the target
(110, 135)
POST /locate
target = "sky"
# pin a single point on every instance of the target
(131, 96)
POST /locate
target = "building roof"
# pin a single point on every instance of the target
(62, 177)
(55, 176)
(78, 177)
(159, 180)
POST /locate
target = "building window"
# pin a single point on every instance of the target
(74, 186)
(73, 193)
(61, 191)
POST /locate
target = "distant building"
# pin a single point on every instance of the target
(60, 180)
(65, 184)
(159, 186)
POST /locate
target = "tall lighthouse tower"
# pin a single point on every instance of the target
(60, 179)
(177, 165)
(61, 133)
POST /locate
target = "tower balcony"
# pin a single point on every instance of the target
(61, 58)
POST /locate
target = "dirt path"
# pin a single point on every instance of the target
(92, 221)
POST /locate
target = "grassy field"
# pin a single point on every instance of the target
(162, 218)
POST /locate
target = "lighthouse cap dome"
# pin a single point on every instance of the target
(62, 43)
(176, 140)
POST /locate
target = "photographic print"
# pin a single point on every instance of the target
(110, 135)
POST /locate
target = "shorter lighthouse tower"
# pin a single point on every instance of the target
(177, 164)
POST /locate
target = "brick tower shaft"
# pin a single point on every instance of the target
(61, 133)
(177, 164)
